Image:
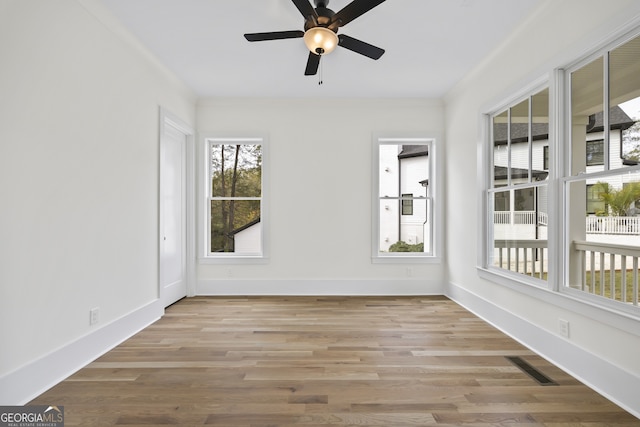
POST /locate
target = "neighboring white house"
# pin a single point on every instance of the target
(246, 239)
(516, 211)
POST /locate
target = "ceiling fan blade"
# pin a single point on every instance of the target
(274, 35)
(353, 10)
(306, 9)
(360, 47)
(312, 64)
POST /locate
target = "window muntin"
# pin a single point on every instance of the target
(403, 208)
(518, 219)
(602, 255)
(234, 197)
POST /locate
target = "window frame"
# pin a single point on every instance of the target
(606, 170)
(205, 256)
(488, 188)
(434, 209)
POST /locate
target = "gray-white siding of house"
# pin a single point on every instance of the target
(519, 159)
(248, 240)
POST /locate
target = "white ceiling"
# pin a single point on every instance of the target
(430, 45)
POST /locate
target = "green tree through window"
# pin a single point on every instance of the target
(236, 192)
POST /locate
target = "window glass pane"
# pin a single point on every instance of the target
(502, 201)
(540, 135)
(236, 170)
(404, 233)
(587, 94)
(624, 95)
(524, 200)
(519, 133)
(500, 149)
(389, 170)
(235, 226)
(388, 212)
(603, 248)
(520, 235)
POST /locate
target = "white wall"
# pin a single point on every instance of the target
(320, 194)
(607, 345)
(79, 108)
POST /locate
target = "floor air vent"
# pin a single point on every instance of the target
(541, 378)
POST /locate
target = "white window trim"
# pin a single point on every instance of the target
(433, 140)
(204, 256)
(484, 179)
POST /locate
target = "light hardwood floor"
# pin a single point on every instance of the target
(317, 361)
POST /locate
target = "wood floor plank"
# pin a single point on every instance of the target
(318, 361)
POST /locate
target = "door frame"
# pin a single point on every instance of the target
(169, 119)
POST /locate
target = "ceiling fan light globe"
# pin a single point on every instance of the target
(320, 40)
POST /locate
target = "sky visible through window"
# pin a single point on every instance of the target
(632, 108)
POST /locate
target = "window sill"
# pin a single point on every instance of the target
(405, 259)
(233, 259)
(622, 320)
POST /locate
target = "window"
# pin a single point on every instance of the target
(404, 186)
(517, 196)
(594, 254)
(602, 255)
(407, 204)
(234, 208)
(595, 152)
(595, 201)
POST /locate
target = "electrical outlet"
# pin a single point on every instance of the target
(409, 272)
(563, 326)
(94, 315)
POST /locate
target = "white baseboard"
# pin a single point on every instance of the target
(26, 383)
(294, 287)
(617, 385)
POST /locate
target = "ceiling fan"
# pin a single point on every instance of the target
(321, 30)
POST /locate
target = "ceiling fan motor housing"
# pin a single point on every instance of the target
(324, 19)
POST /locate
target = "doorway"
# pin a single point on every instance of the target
(176, 257)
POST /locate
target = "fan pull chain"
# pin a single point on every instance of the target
(320, 73)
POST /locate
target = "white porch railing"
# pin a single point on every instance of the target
(519, 217)
(613, 225)
(526, 256)
(626, 225)
(502, 217)
(609, 270)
